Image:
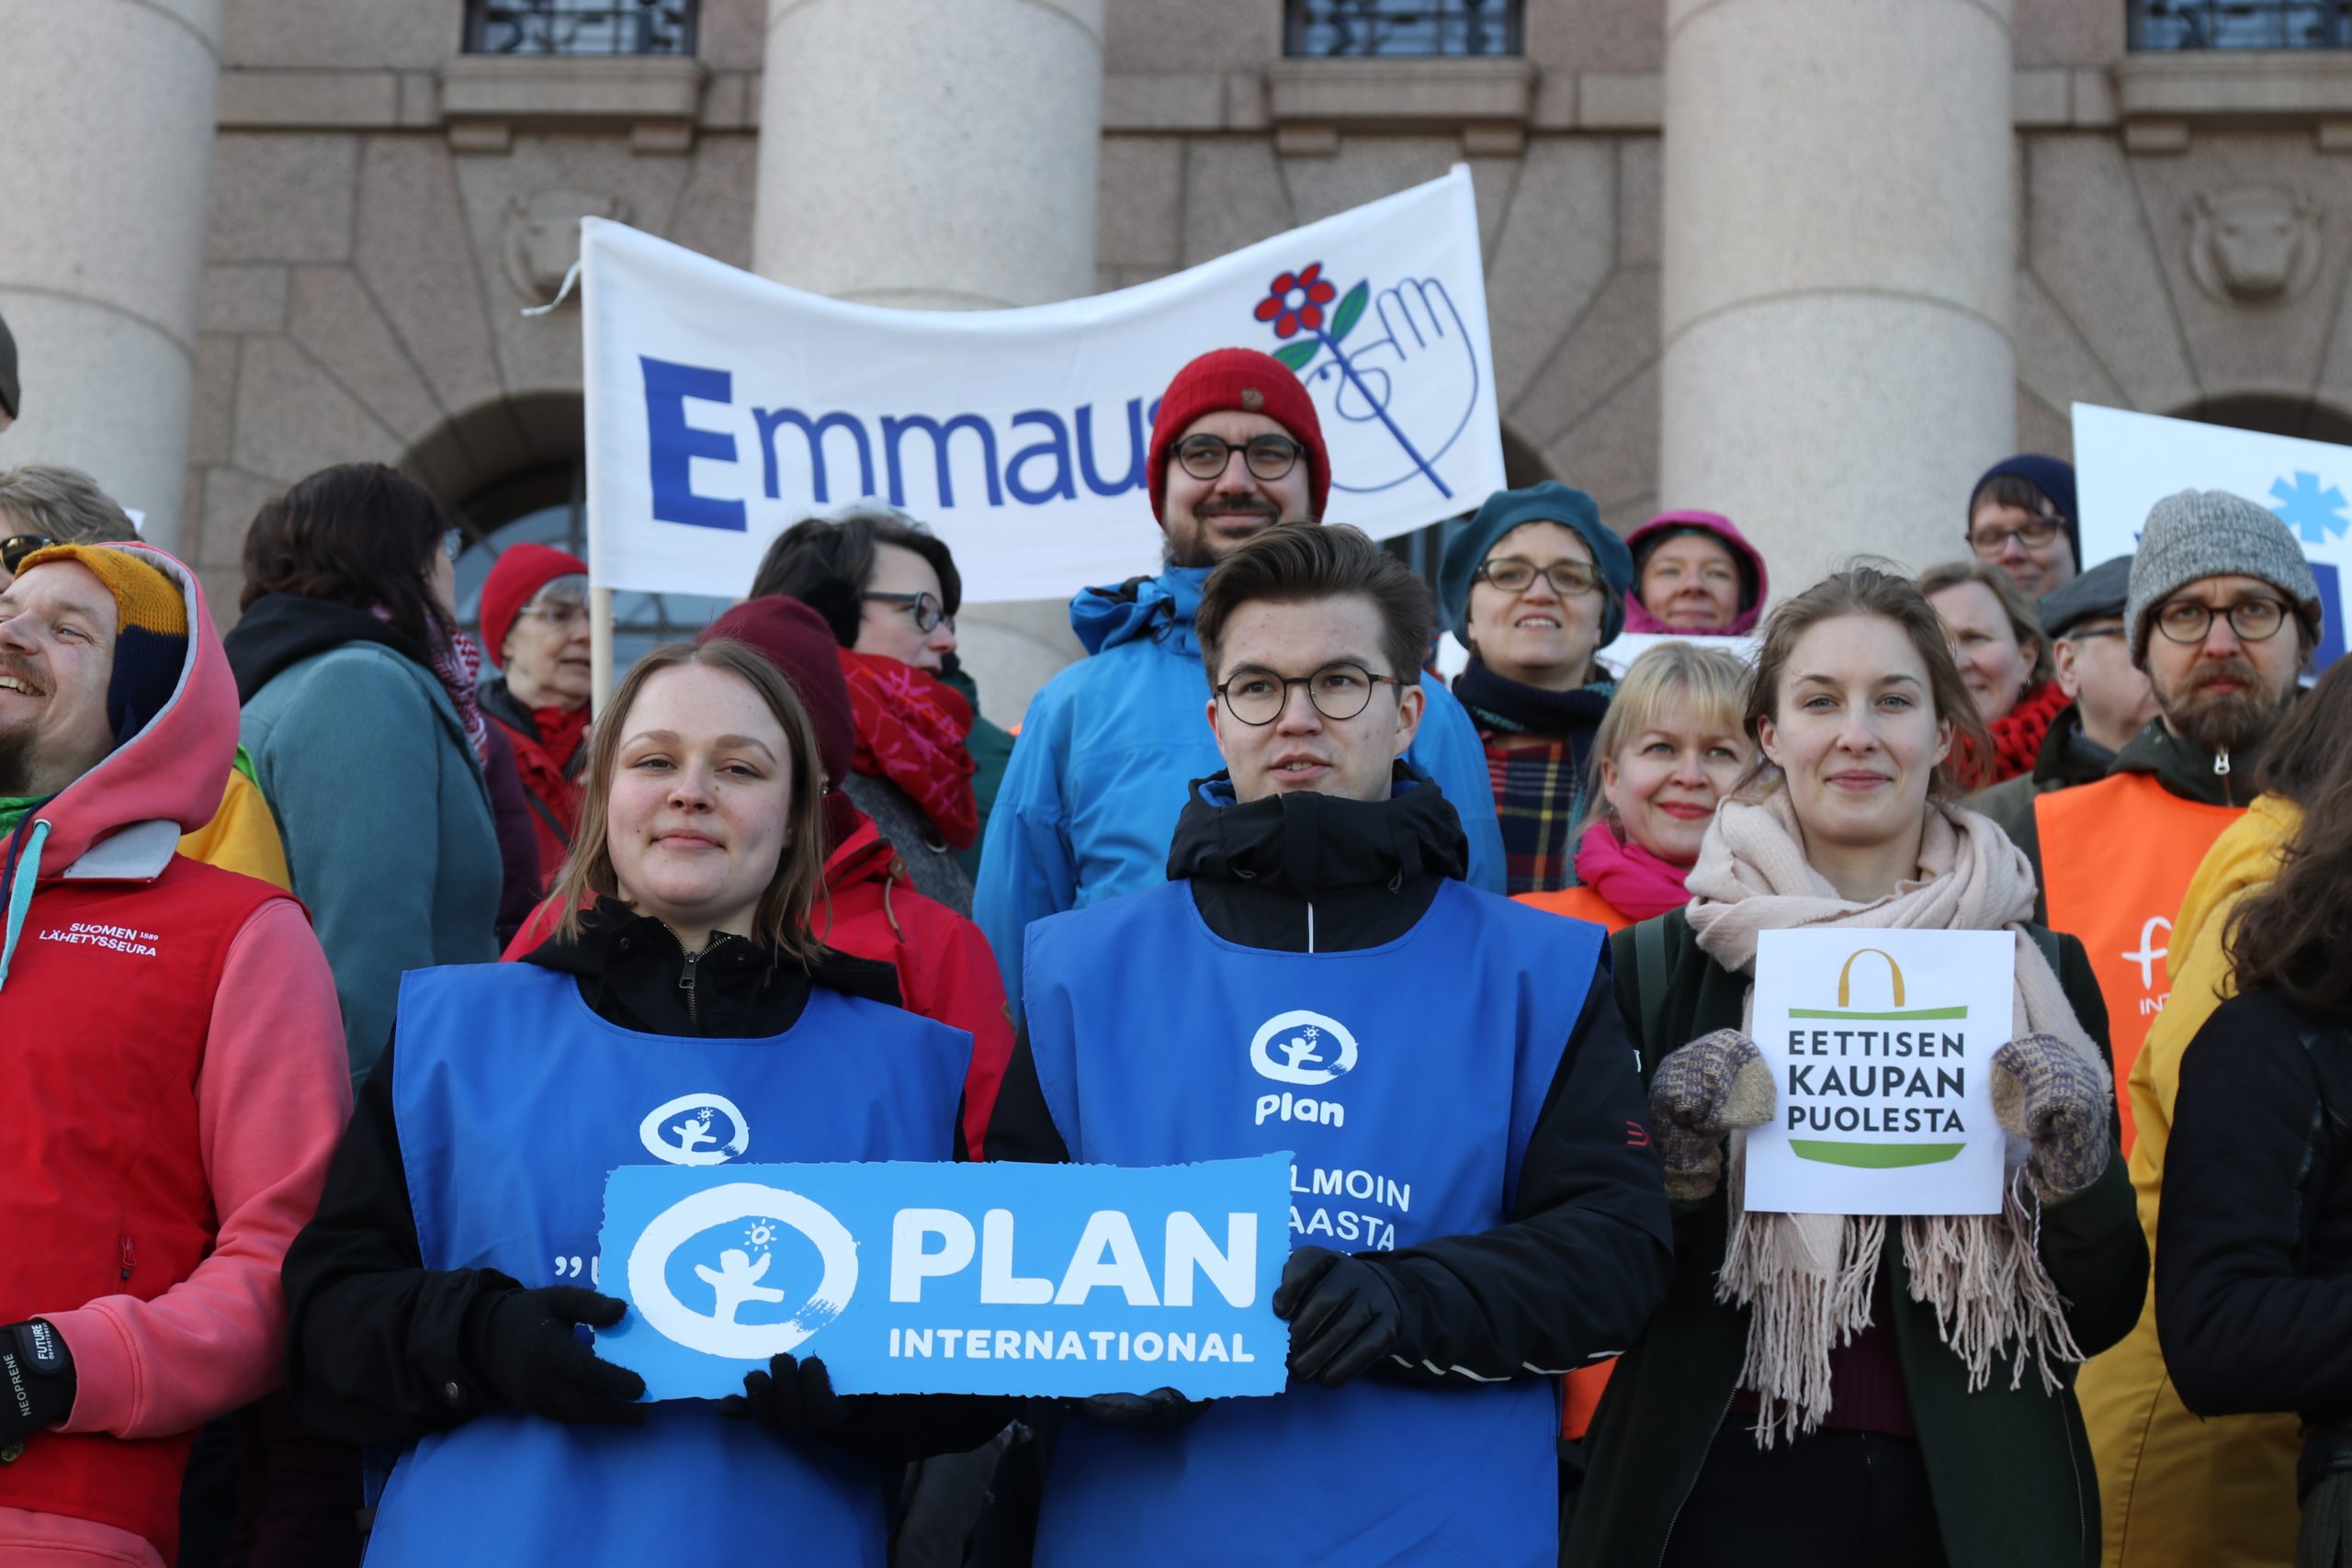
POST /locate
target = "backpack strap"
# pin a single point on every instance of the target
(2046, 941)
(1651, 974)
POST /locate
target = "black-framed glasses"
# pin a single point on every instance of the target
(926, 611)
(2033, 534)
(2088, 634)
(2190, 621)
(1269, 457)
(1338, 692)
(1569, 579)
(562, 616)
(15, 549)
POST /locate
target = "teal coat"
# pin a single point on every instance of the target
(387, 824)
(2010, 1469)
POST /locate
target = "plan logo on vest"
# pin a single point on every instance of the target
(695, 1128)
(1304, 1048)
(730, 1239)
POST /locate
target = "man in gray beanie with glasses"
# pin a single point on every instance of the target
(2223, 613)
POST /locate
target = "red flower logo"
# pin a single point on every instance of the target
(1297, 300)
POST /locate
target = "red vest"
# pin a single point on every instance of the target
(103, 1024)
(2116, 858)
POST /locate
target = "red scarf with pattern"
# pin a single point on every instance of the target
(910, 730)
(2017, 734)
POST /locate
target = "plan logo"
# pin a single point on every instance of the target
(730, 1239)
(1303, 1047)
(695, 1128)
(1395, 399)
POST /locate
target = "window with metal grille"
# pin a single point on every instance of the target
(2240, 23)
(580, 26)
(1344, 28)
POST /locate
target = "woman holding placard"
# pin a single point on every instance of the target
(1807, 1372)
(434, 1299)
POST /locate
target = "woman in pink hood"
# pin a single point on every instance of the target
(1694, 574)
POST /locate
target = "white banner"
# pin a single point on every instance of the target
(2125, 463)
(722, 408)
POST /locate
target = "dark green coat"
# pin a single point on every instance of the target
(2010, 1470)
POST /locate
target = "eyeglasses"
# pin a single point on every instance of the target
(1568, 579)
(1338, 691)
(562, 617)
(2188, 621)
(453, 543)
(925, 610)
(1269, 457)
(2086, 634)
(2033, 534)
(14, 549)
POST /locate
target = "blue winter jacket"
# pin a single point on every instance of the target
(1108, 750)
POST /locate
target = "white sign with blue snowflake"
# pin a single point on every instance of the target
(2125, 463)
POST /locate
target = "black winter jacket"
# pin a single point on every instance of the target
(1586, 1253)
(2253, 1277)
(376, 1341)
(2013, 1481)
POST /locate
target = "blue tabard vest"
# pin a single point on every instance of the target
(513, 1101)
(1406, 1079)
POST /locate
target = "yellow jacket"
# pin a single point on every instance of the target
(2177, 1490)
(243, 835)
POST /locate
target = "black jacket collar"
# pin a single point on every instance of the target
(282, 629)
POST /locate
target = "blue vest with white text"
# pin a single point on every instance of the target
(514, 1101)
(1406, 1079)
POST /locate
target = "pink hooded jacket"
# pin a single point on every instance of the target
(1637, 617)
(272, 1098)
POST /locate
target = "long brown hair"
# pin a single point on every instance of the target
(781, 922)
(1864, 590)
(2291, 937)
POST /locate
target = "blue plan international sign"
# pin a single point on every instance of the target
(951, 1279)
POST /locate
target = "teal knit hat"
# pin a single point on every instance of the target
(1550, 501)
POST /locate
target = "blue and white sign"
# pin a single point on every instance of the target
(2125, 463)
(951, 1279)
(722, 408)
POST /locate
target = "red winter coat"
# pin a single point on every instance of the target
(946, 970)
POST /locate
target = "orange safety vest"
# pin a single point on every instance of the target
(2116, 858)
(1579, 1390)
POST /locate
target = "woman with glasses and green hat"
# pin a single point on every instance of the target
(1534, 586)
(888, 589)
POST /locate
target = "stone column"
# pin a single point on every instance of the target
(105, 162)
(1840, 235)
(938, 155)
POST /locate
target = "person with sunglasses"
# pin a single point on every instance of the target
(2021, 518)
(1314, 976)
(890, 589)
(1109, 746)
(535, 621)
(1533, 586)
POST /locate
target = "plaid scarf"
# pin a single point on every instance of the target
(1537, 742)
(454, 659)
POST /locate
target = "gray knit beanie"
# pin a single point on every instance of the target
(2211, 532)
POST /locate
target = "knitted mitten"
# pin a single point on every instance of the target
(2044, 1094)
(1699, 1093)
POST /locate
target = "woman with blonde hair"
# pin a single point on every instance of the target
(432, 1308)
(1668, 750)
(1808, 1373)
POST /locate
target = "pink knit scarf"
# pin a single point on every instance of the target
(1637, 883)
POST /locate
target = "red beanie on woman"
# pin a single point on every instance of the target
(1239, 380)
(515, 578)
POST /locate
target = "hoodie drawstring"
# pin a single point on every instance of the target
(20, 891)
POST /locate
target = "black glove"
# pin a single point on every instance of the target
(531, 1359)
(1344, 1314)
(37, 1383)
(1161, 1410)
(794, 1398)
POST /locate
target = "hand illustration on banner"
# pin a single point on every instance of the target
(1425, 351)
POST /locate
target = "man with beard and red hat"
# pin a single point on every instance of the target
(1109, 749)
(2223, 613)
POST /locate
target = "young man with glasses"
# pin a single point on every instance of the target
(1098, 779)
(535, 623)
(2021, 518)
(1476, 1201)
(2223, 612)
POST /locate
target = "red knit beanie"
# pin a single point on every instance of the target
(796, 639)
(1245, 381)
(518, 573)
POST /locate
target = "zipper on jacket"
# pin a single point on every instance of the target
(1676, 1518)
(130, 1256)
(686, 984)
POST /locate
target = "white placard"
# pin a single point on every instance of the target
(1880, 1043)
(2125, 463)
(722, 408)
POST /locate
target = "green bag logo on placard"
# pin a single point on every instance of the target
(1880, 1070)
